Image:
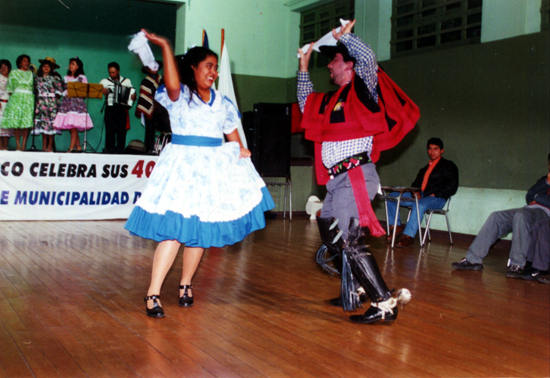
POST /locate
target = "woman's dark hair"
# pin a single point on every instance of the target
(6, 63)
(186, 63)
(20, 59)
(80, 70)
(40, 72)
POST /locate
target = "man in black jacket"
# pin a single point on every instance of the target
(519, 221)
(437, 182)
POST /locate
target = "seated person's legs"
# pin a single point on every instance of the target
(392, 208)
(497, 225)
(424, 204)
(539, 251)
(522, 225)
(541, 258)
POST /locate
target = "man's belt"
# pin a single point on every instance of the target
(349, 163)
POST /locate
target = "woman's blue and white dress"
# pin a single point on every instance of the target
(202, 196)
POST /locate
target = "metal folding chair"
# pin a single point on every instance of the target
(444, 211)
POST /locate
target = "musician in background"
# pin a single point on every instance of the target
(154, 115)
(118, 101)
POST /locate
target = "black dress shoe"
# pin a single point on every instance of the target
(185, 299)
(156, 311)
(375, 314)
(337, 302)
(464, 264)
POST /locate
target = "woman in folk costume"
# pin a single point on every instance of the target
(73, 113)
(5, 134)
(202, 193)
(18, 114)
(49, 88)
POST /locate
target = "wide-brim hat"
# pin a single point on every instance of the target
(144, 68)
(331, 51)
(50, 61)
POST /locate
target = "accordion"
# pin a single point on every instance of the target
(123, 95)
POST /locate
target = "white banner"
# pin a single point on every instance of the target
(52, 186)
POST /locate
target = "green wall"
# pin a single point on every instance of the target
(261, 35)
(97, 32)
(489, 103)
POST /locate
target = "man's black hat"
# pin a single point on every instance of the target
(331, 51)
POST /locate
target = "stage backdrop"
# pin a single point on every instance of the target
(51, 186)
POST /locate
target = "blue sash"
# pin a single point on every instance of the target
(192, 140)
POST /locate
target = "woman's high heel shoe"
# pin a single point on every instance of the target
(185, 299)
(156, 311)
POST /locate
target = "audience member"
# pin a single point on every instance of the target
(437, 181)
(538, 253)
(519, 221)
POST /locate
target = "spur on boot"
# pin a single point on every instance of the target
(185, 299)
(156, 311)
(383, 311)
(337, 302)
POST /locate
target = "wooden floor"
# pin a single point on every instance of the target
(71, 305)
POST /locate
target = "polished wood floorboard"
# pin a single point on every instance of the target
(71, 305)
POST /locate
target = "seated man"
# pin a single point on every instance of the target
(538, 253)
(519, 221)
(437, 182)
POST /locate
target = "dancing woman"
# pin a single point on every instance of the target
(202, 193)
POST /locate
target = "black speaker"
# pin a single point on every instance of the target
(268, 135)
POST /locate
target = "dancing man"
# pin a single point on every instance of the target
(350, 127)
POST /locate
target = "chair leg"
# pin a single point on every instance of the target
(284, 205)
(290, 199)
(449, 228)
(427, 230)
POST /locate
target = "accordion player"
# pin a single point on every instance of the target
(119, 92)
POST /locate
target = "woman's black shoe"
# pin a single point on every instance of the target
(156, 311)
(185, 299)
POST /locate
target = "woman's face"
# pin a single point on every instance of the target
(206, 72)
(73, 66)
(25, 63)
(46, 69)
(4, 70)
